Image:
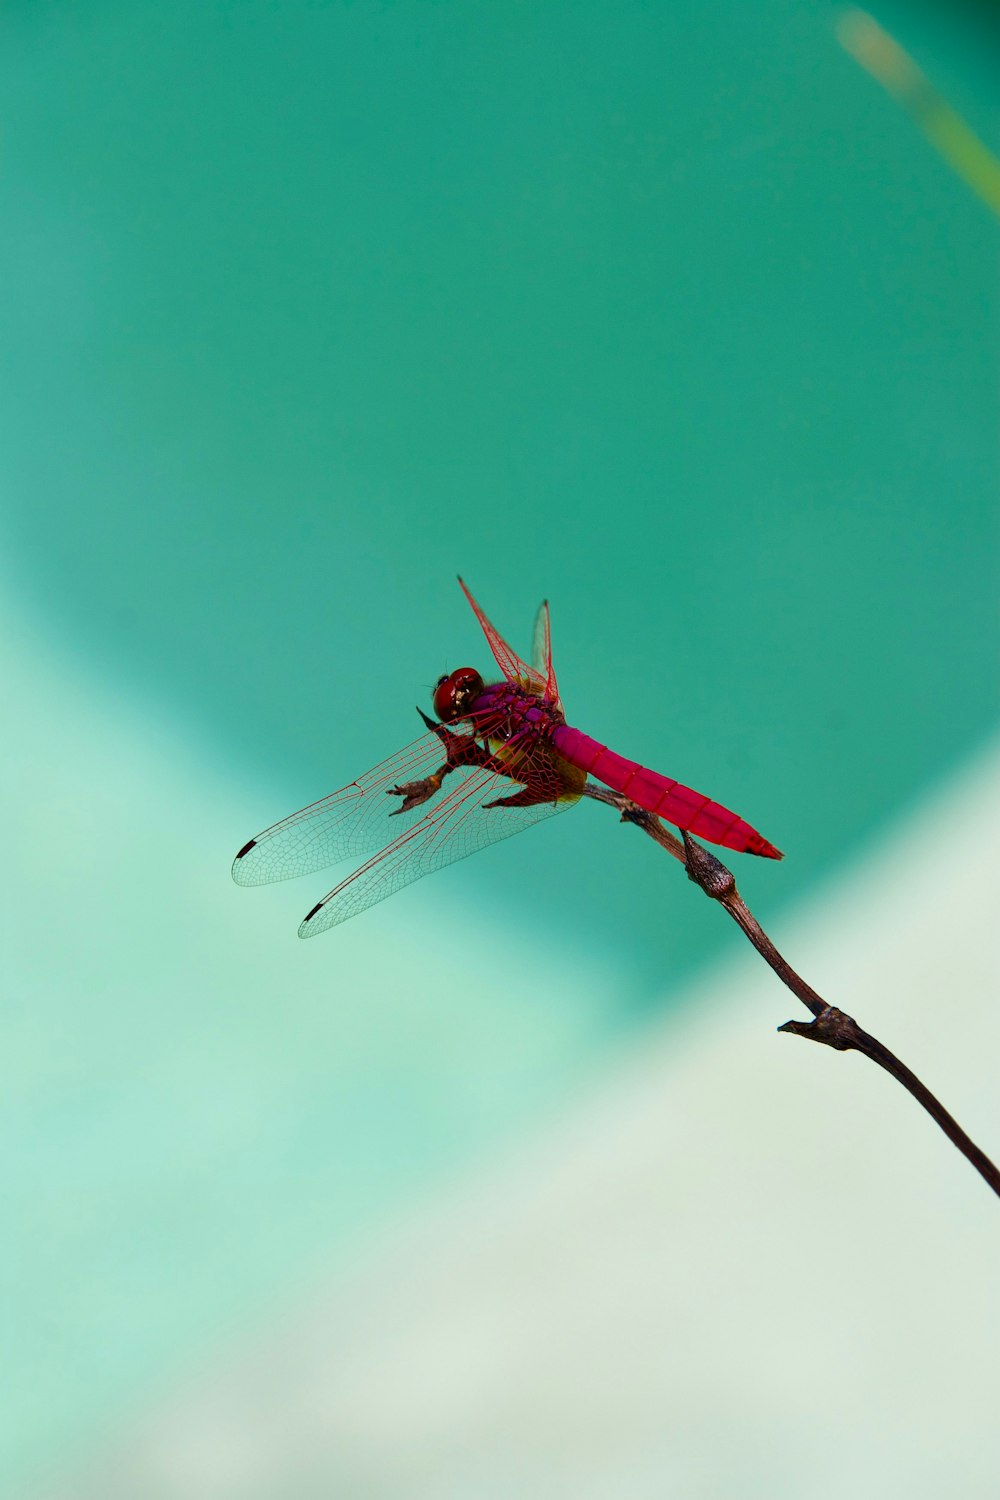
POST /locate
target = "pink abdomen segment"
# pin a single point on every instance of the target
(661, 796)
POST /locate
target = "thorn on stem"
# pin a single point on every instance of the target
(831, 1027)
(715, 878)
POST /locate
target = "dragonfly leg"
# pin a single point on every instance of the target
(528, 796)
(461, 750)
(415, 792)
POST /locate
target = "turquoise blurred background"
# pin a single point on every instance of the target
(667, 314)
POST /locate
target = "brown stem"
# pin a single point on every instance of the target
(829, 1026)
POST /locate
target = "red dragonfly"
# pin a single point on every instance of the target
(511, 761)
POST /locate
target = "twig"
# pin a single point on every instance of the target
(829, 1026)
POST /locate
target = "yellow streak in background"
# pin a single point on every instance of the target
(883, 57)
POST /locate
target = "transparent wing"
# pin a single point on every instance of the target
(541, 651)
(354, 820)
(452, 828)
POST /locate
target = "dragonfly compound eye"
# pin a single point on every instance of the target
(454, 694)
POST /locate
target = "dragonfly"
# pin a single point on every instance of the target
(498, 758)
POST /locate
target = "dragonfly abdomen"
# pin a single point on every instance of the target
(661, 795)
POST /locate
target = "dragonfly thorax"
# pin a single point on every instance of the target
(503, 710)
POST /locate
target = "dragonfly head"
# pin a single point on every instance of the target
(455, 693)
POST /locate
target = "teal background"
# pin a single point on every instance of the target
(676, 320)
(666, 313)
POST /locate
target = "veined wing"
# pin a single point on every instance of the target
(541, 651)
(353, 820)
(507, 659)
(452, 828)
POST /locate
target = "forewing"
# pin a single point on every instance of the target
(354, 820)
(507, 659)
(452, 828)
(541, 651)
